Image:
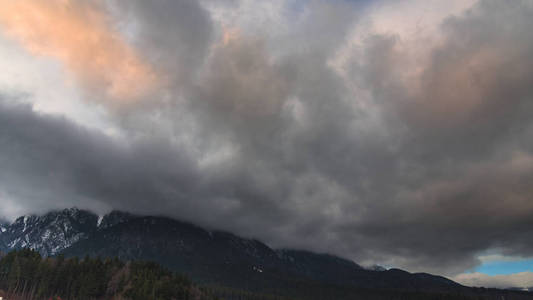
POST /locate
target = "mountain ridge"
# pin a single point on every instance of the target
(207, 256)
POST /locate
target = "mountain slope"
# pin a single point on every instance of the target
(223, 258)
(207, 256)
(213, 257)
(48, 234)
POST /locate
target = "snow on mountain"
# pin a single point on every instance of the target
(51, 233)
(376, 268)
(209, 256)
(55, 231)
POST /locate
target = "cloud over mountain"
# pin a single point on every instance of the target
(325, 127)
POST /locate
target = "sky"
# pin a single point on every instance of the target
(396, 133)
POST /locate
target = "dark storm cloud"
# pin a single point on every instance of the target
(49, 161)
(258, 134)
(460, 173)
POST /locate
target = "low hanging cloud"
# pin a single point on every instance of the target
(325, 129)
(523, 280)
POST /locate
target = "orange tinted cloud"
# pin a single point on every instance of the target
(230, 34)
(80, 35)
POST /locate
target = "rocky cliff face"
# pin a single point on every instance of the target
(55, 231)
(49, 234)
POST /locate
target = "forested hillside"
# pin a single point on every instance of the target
(24, 274)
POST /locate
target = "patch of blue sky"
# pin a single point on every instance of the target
(506, 267)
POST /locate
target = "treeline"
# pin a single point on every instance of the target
(24, 274)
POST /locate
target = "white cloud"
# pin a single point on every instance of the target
(519, 280)
(45, 84)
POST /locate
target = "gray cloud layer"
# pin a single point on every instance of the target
(261, 136)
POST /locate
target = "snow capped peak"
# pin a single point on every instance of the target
(57, 230)
(50, 233)
(25, 223)
(376, 268)
(99, 222)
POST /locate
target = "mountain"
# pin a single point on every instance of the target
(209, 257)
(55, 231)
(376, 268)
(217, 257)
(113, 218)
(49, 234)
(3, 226)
